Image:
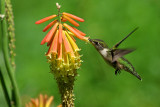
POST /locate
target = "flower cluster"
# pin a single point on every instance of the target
(62, 54)
(42, 101)
(63, 51)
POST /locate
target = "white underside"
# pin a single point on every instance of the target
(104, 52)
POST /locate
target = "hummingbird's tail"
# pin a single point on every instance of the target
(131, 70)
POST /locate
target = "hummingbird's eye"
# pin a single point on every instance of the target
(96, 43)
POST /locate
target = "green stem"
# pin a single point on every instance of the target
(5, 89)
(5, 50)
(59, 15)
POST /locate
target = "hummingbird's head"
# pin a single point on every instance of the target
(98, 44)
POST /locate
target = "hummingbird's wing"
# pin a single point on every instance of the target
(118, 53)
(115, 46)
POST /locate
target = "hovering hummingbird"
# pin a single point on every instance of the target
(114, 56)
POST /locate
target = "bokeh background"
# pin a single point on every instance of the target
(97, 86)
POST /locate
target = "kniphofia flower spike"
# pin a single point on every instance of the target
(63, 50)
(63, 53)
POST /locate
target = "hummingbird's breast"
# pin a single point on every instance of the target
(106, 54)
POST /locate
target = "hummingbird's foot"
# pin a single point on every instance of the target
(2, 16)
(117, 71)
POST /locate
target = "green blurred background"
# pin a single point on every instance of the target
(97, 86)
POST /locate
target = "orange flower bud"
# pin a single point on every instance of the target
(60, 52)
(73, 17)
(51, 32)
(55, 41)
(71, 20)
(49, 43)
(53, 45)
(49, 25)
(60, 33)
(66, 44)
(74, 32)
(43, 41)
(45, 19)
(80, 32)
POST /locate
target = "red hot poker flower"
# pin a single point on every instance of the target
(63, 51)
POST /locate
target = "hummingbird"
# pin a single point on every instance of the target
(114, 56)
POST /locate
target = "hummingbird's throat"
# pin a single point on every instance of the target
(104, 52)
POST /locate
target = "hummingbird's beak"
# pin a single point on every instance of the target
(90, 40)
